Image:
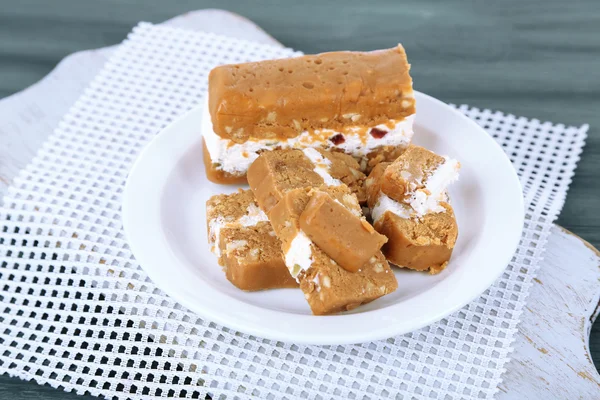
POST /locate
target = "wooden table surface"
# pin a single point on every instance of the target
(539, 59)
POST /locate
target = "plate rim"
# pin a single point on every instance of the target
(134, 216)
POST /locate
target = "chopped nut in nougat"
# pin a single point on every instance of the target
(358, 103)
(242, 238)
(327, 286)
(275, 172)
(419, 177)
(342, 234)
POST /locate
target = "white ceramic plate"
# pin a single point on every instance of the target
(165, 223)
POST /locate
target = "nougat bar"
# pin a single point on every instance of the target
(359, 103)
(419, 177)
(416, 241)
(340, 232)
(247, 248)
(327, 286)
(422, 244)
(275, 172)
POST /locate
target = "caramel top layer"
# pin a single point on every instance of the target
(282, 98)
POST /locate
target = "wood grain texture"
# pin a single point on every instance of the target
(534, 59)
(548, 360)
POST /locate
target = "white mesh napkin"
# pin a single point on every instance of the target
(77, 312)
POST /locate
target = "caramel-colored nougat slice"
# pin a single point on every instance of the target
(282, 98)
(252, 258)
(421, 244)
(275, 172)
(342, 234)
(419, 177)
(247, 248)
(327, 286)
(409, 172)
(224, 209)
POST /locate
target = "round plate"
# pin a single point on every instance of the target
(164, 207)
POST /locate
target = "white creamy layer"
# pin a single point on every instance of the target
(321, 166)
(427, 200)
(214, 232)
(298, 257)
(253, 216)
(235, 158)
(385, 203)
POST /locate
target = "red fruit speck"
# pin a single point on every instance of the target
(337, 139)
(378, 133)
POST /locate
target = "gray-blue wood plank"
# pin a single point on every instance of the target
(536, 58)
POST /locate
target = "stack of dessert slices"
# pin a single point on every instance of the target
(303, 133)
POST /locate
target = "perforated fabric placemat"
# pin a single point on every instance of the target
(77, 311)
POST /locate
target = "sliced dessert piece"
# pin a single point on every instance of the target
(327, 286)
(342, 233)
(252, 258)
(247, 248)
(419, 177)
(420, 242)
(275, 172)
(360, 103)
